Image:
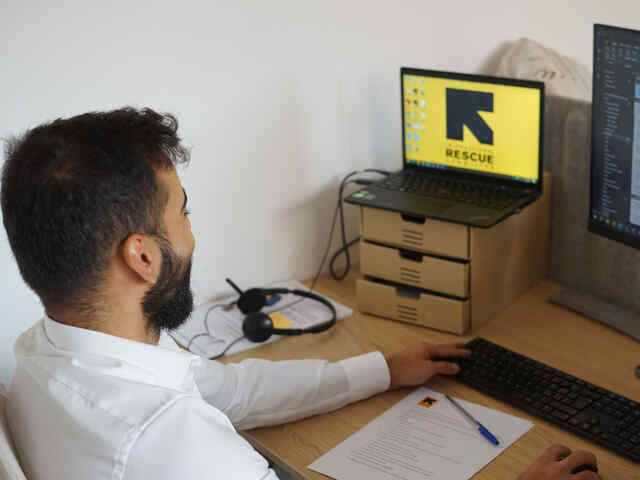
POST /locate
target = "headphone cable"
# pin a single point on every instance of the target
(221, 354)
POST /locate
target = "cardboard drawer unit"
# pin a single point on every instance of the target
(413, 306)
(448, 276)
(415, 268)
(419, 234)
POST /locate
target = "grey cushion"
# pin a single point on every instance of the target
(579, 258)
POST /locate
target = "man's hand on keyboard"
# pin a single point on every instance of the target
(558, 463)
(419, 362)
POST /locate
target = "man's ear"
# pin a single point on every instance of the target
(141, 254)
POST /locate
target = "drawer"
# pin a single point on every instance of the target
(420, 234)
(414, 268)
(413, 306)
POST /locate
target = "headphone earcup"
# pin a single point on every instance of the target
(252, 301)
(257, 327)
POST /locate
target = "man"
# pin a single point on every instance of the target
(98, 223)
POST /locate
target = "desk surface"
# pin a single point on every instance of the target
(530, 326)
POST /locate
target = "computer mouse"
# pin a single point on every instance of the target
(583, 467)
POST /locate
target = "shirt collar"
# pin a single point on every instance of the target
(164, 364)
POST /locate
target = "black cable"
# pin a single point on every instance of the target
(377, 170)
(322, 262)
(334, 258)
(343, 183)
(344, 248)
(346, 245)
(342, 229)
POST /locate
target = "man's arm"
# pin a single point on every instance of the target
(257, 393)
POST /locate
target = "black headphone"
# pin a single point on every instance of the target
(258, 326)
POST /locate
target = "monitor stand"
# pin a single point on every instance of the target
(626, 321)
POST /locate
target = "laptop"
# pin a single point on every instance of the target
(472, 149)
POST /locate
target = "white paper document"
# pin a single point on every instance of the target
(422, 437)
(224, 321)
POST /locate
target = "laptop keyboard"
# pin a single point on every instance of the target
(484, 195)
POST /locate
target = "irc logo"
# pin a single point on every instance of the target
(428, 402)
(462, 109)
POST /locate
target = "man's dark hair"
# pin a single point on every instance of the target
(74, 189)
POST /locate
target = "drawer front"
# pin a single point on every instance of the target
(416, 269)
(421, 308)
(423, 235)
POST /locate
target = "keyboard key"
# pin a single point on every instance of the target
(563, 408)
(592, 395)
(581, 403)
(561, 415)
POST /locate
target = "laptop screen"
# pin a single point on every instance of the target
(479, 125)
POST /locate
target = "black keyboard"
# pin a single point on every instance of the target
(587, 410)
(485, 195)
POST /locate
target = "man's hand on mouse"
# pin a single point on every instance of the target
(558, 462)
(418, 363)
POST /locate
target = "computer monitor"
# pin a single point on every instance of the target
(615, 135)
(614, 209)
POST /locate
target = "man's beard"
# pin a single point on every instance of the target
(168, 304)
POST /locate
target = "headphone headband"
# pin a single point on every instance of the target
(258, 326)
(321, 327)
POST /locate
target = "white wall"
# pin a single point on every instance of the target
(279, 99)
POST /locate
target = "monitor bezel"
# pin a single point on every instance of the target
(593, 225)
(459, 173)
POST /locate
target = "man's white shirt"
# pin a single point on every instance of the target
(84, 404)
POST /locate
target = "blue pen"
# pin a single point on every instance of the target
(481, 428)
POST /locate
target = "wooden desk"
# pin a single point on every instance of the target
(530, 326)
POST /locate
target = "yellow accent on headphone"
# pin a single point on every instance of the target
(279, 320)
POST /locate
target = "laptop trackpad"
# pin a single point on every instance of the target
(426, 206)
(438, 208)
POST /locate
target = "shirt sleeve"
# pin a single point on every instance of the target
(258, 393)
(190, 440)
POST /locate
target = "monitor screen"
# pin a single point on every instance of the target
(480, 125)
(615, 135)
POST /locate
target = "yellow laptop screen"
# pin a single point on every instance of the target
(482, 127)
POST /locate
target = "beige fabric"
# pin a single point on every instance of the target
(9, 466)
(529, 60)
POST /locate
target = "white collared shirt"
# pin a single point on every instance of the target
(87, 405)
